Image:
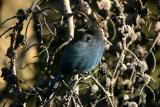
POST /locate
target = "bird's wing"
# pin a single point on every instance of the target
(80, 55)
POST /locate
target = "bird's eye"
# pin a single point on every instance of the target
(87, 38)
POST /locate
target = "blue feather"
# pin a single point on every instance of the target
(82, 54)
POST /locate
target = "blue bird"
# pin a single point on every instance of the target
(81, 55)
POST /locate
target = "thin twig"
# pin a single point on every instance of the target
(132, 54)
(107, 93)
(154, 43)
(30, 87)
(37, 44)
(45, 22)
(7, 20)
(155, 62)
(27, 26)
(6, 31)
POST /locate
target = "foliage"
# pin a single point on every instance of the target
(131, 30)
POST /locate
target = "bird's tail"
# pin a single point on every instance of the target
(52, 87)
